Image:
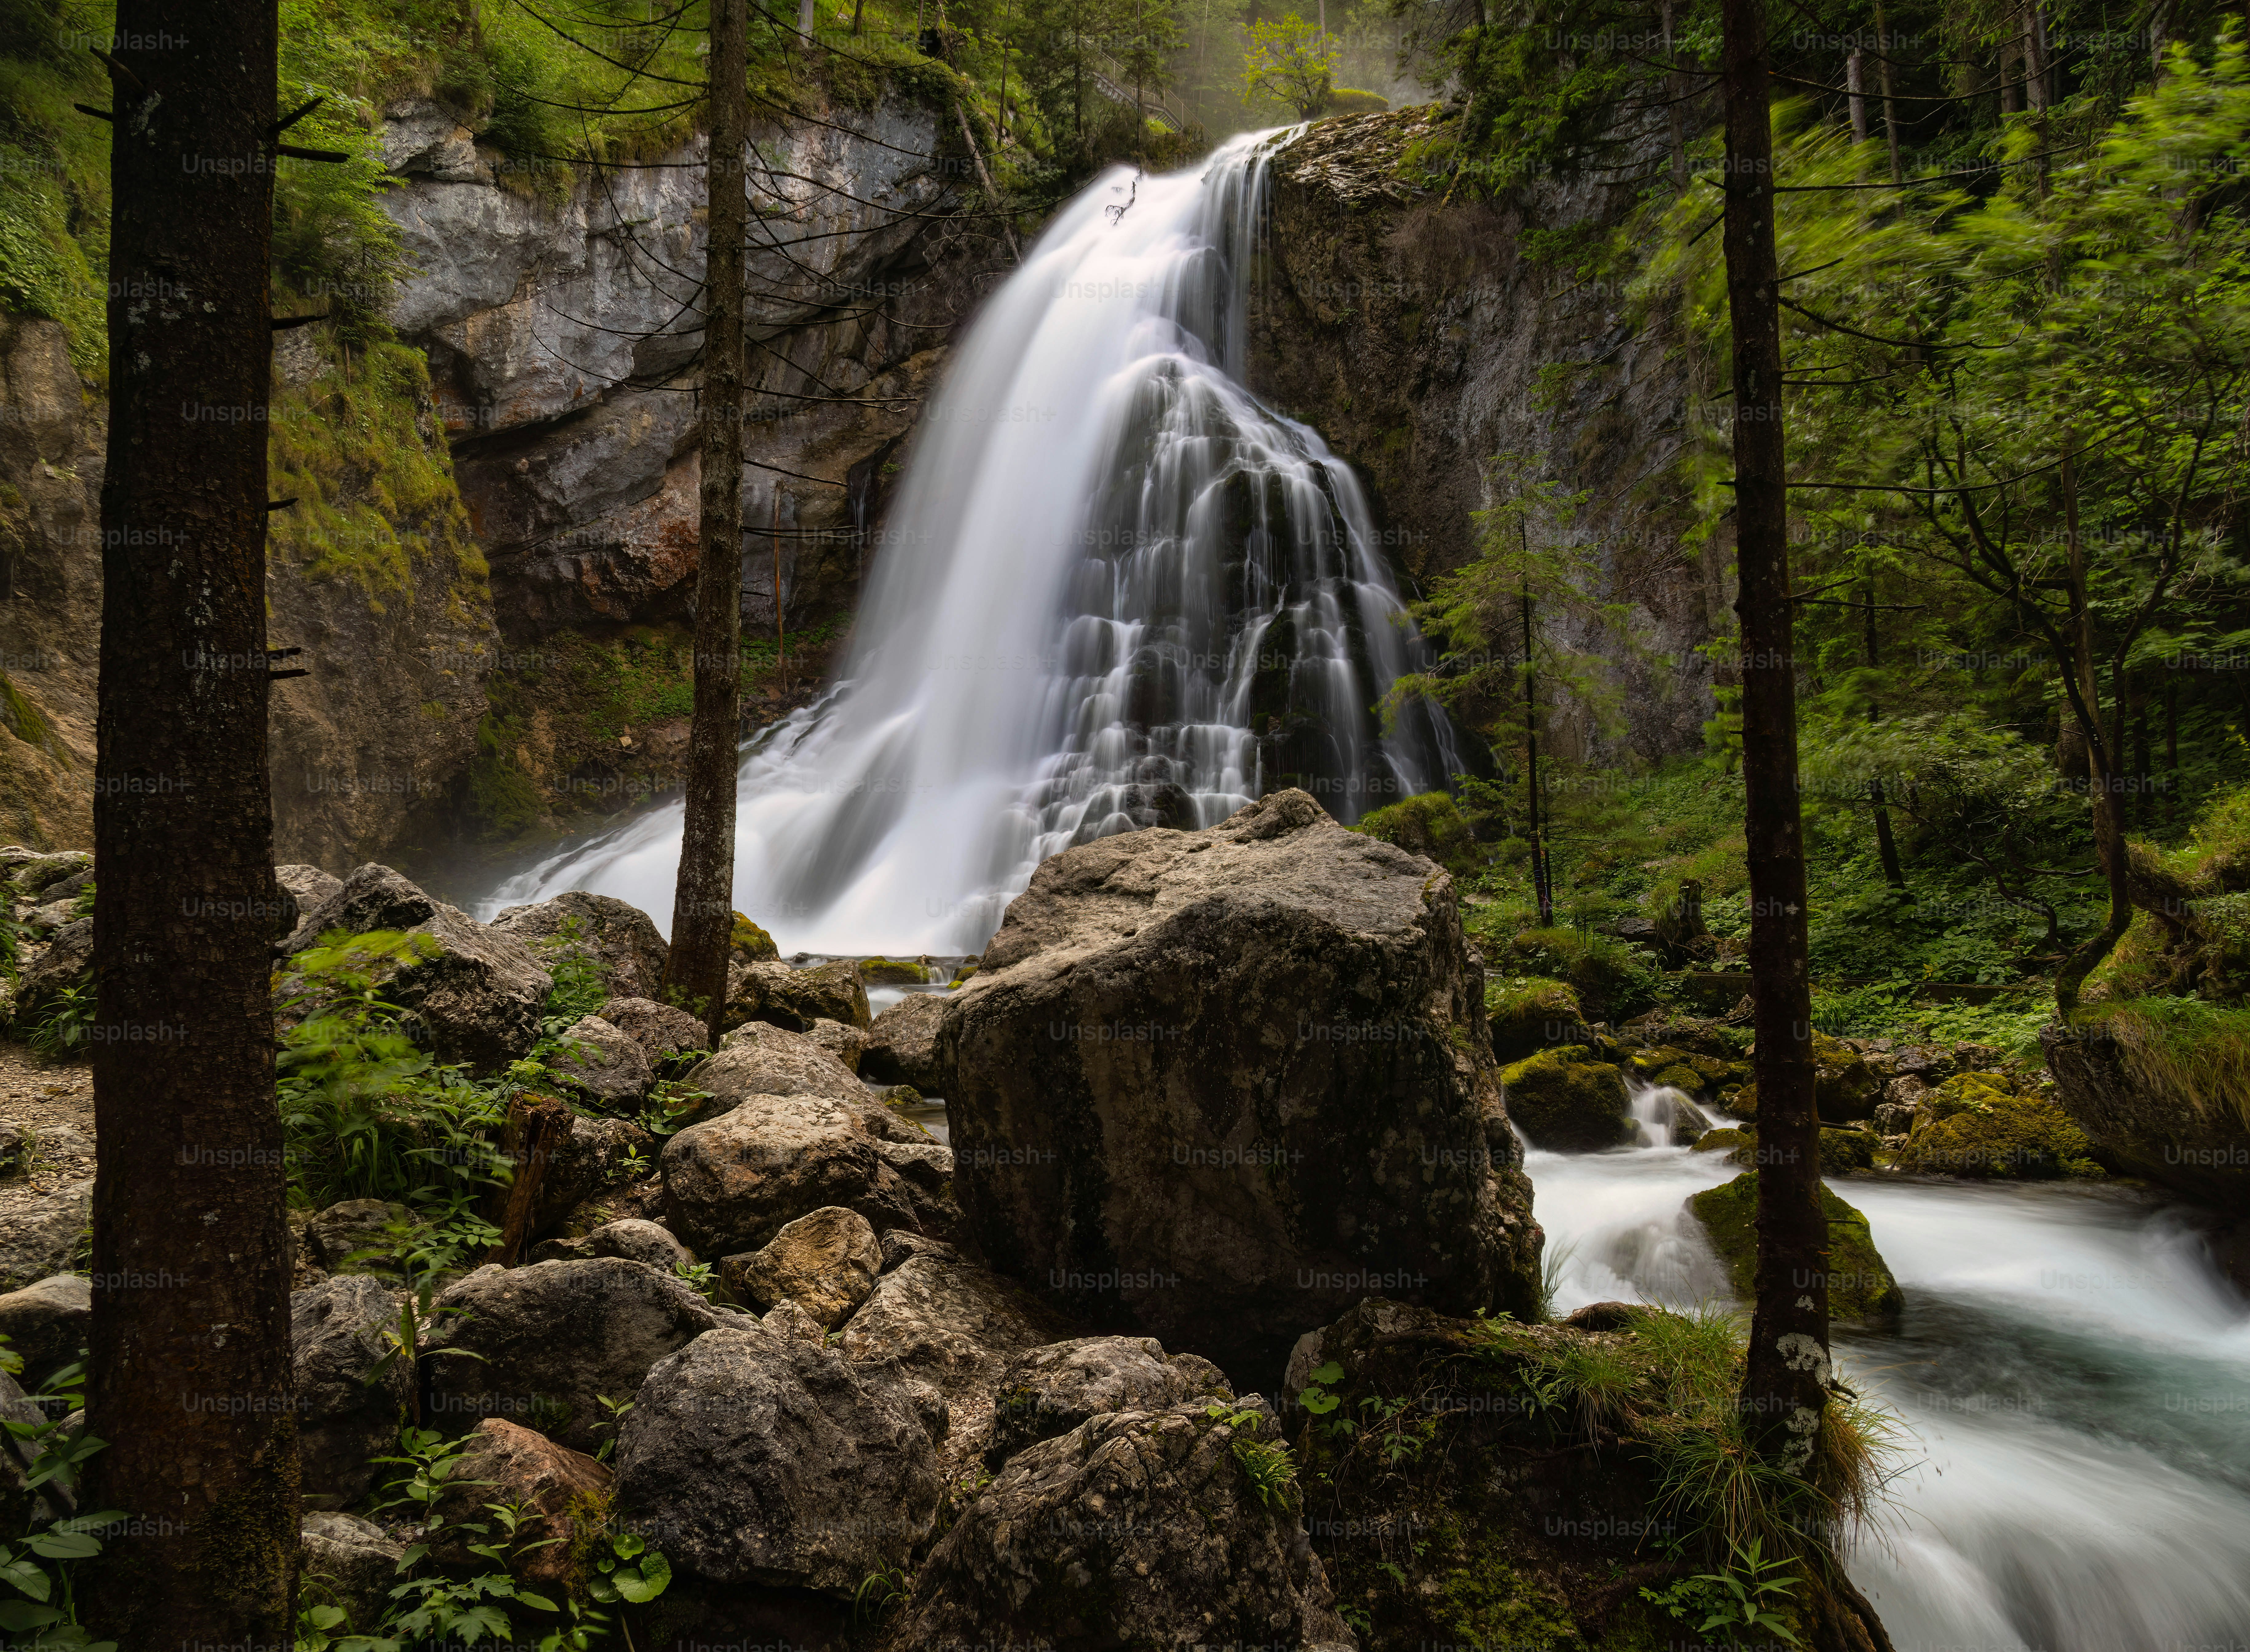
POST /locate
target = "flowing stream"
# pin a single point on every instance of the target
(2072, 1373)
(1118, 592)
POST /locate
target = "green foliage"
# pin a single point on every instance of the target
(365, 1112)
(581, 980)
(1611, 977)
(40, 1566)
(62, 1028)
(2184, 1050)
(1290, 64)
(1747, 1597)
(1428, 825)
(1268, 1466)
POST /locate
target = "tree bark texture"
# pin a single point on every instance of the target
(191, 1375)
(1785, 1381)
(703, 901)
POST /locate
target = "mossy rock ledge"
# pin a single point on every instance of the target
(1859, 1282)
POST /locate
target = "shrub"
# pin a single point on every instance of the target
(1611, 979)
(1428, 824)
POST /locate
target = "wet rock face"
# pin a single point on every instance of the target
(2143, 1125)
(554, 329)
(621, 938)
(1214, 1087)
(1136, 1528)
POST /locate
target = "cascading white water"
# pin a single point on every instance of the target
(2073, 1377)
(1118, 592)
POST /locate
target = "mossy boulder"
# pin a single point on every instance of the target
(1844, 1151)
(892, 972)
(1984, 1134)
(1529, 1013)
(749, 943)
(2161, 1086)
(1681, 1075)
(1859, 1282)
(1724, 1141)
(1612, 978)
(1845, 1089)
(1964, 1092)
(1568, 1104)
(1430, 826)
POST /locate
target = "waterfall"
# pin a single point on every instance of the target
(1116, 592)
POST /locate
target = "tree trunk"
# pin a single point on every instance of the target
(2100, 769)
(1890, 106)
(1675, 114)
(1855, 88)
(1785, 1382)
(703, 903)
(190, 1376)
(1542, 889)
(1886, 845)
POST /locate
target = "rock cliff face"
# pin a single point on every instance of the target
(1413, 335)
(551, 443)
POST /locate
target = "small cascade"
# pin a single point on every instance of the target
(1117, 592)
(1656, 1109)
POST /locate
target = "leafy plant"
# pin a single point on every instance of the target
(38, 1565)
(880, 1592)
(63, 1028)
(1744, 1597)
(701, 1276)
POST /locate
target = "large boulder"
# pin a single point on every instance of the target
(507, 1463)
(596, 1153)
(902, 1047)
(622, 940)
(2135, 1091)
(731, 1183)
(1138, 1528)
(1567, 1103)
(1216, 1086)
(956, 1326)
(1050, 1391)
(1859, 1282)
(795, 998)
(554, 1339)
(341, 1230)
(478, 1000)
(605, 1063)
(1845, 1090)
(826, 1262)
(761, 1059)
(661, 1031)
(309, 887)
(765, 1459)
(346, 1562)
(346, 1411)
(46, 1324)
(44, 1235)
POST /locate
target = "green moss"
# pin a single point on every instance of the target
(1563, 1102)
(360, 451)
(749, 942)
(2194, 1054)
(1859, 1282)
(1845, 1151)
(1726, 1140)
(1493, 1603)
(1428, 824)
(502, 798)
(892, 972)
(1988, 1133)
(1612, 980)
(1680, 1077)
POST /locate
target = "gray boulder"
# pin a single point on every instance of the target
(761, 1059)
(1216, 1086)
(1136, 1528)
(841, 1040)
(47, 1324)
(348, 1562)
(1048, 1391)
(309, 887)
(44, 1234)
(638, 1241)
(554, 1338)
(956, 1326)
(479, 999)
(354, 1225)
(902, 1046)
(661, 1031)
(622, 939)
(775, 991)
(337, 1333)
(825, 1262)
(608, 1064)
(769, 1460)
(731, 1183)
(596, 1153)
